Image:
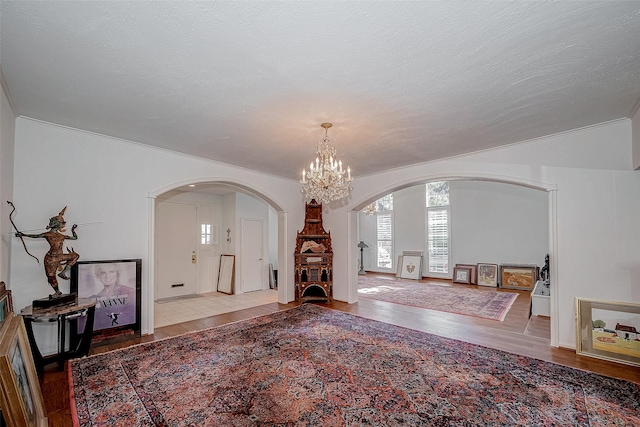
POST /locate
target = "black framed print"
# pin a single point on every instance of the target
(117, 287)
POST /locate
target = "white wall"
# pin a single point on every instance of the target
(367, 233)
(409, 224)
(273, 238)
(498, 223)
(7, 138)
(594, 253)
(635, 122)
(106, 182)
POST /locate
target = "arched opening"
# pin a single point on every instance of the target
(227, 239)
(550, 198)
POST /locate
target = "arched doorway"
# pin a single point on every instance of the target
(215, 187)
(550, 189)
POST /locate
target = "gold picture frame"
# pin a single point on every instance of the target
(20, 397)
(608, 330)
(6, 304)
(518, 276)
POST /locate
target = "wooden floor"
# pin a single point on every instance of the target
(516, 335)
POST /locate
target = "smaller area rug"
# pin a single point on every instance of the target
(484, 303)
(313, 366)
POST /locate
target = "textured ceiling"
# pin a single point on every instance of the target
(249, 83)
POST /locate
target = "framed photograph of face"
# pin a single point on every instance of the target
(116, 286)
(20, 398)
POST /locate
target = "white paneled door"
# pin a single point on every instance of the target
(253, 263)
(176, 262)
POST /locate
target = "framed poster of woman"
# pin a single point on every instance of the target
(117, 287)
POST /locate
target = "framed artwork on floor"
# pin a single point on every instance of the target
(117, 287)
(473, 278)
(461, 275)
(488, 275)
(518, 276)
(411, 267)
(21, 398)
(608, 330)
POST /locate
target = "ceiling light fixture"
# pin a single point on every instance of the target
(370, 209)
(326, 181)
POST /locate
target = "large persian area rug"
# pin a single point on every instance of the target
(484, 303)
(314, 366)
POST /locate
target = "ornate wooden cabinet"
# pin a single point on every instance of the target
(313, 258)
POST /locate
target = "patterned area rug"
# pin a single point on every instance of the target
(485, 303)
(313, 366)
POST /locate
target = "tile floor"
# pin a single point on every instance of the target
(177, 310)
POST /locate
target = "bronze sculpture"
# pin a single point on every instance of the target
(55, 259)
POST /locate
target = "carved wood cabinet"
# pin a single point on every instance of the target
(313, 258)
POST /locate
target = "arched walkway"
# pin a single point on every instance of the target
(550, 189)
(231, 184)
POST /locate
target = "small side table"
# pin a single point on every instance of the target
(67, 313)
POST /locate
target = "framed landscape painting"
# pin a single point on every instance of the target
(518, 276)
(608, 330)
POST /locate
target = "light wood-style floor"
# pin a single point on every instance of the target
(508, 336)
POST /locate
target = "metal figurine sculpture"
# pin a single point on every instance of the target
(55, 260)
(544, 272)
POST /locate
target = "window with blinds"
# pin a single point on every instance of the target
(438, 240)
(437, 225)
(384, 238)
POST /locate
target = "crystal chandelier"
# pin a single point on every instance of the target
(326, 181)
(370, 209)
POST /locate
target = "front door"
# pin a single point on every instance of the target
(176, 268)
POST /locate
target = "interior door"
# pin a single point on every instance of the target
(253, 263)
(176, 266)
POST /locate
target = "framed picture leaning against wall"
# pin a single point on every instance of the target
(21, 398)
(488, 275)
(117, 287)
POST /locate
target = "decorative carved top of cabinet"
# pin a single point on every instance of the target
(313, 230)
